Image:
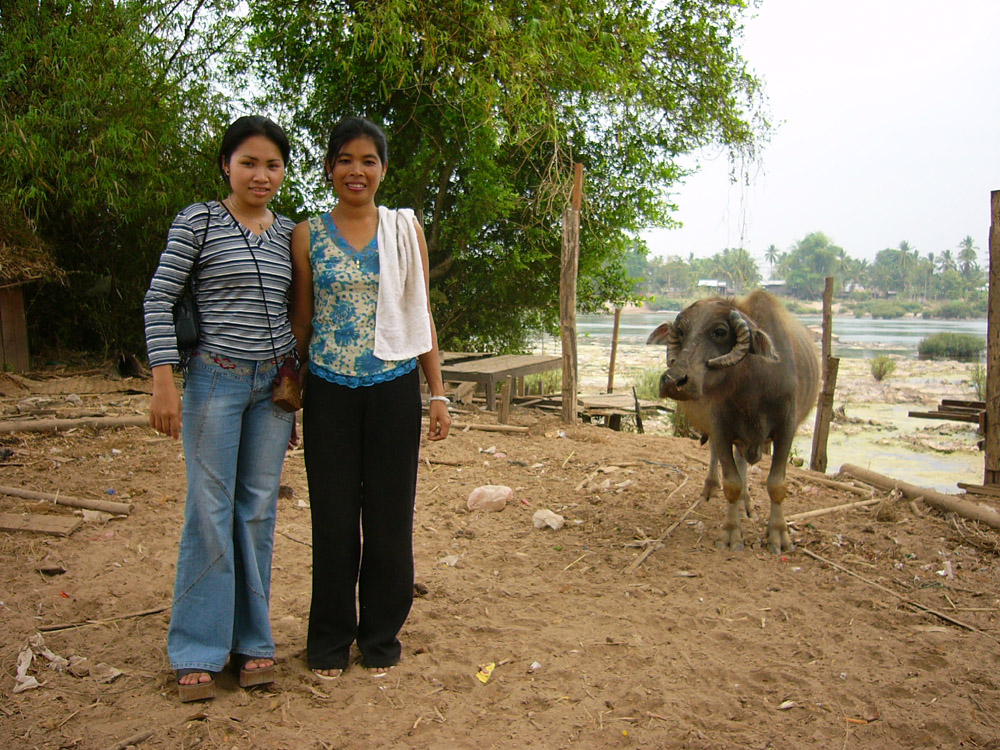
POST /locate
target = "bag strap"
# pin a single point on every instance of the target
(260, 278)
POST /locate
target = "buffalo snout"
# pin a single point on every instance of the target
(674, 385)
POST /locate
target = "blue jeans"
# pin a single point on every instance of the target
(234, 446)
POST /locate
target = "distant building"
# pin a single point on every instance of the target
(715, 286)
(775, 286)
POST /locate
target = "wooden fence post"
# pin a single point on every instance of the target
(567, 297)
(614, 350)
(992, 415)
(829, 365)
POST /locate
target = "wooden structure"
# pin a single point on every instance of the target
(492, 371)
(956, 410)
(991, 425)
(13, 330)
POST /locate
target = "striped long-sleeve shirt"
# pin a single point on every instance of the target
(231, 306)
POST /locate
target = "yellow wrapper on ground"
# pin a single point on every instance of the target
(483, 675)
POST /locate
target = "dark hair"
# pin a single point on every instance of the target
(247, 127)
(354, 127)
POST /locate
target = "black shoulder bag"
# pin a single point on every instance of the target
(186, 307)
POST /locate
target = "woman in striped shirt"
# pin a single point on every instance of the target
(237, 253)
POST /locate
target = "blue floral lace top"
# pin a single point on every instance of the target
(345, 293)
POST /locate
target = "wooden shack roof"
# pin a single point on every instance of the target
(23, 254)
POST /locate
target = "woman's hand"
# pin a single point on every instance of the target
(165, 405)
(440, 421)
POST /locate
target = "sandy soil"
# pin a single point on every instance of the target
(830, 646)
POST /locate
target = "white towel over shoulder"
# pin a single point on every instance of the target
(402, 320)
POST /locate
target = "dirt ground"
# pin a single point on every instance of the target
(833, 645)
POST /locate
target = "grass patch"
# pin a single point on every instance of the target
(947, 345)
(882, 367)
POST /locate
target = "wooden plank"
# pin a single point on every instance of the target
(991, 490)
(42, 524)
(992, 427)
(954, 416)
(980, 405)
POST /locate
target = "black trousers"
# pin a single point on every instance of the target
(361, 453)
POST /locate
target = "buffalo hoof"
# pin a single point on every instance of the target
(731, 540)
(779, 541)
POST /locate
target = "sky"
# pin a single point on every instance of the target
(887, 128)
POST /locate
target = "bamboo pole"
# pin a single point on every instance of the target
(939, 500)
(107, 506)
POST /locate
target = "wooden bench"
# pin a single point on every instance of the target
(493, 371)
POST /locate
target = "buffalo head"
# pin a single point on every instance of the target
(705, 339)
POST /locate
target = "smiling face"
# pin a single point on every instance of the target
(255, 171)
(356, 171)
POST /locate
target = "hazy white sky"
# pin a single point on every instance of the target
(888, 129)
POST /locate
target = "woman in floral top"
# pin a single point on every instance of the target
(361, 316)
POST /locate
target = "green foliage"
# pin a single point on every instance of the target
(809, 263)
(977, 376)
(488, 106)
(647, 383)
(542, 383)
(882, 367)
(952, 310)
(797, 308)
(106, 132)
(880, 309)
(946, 345)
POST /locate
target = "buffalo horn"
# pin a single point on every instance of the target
(740, 348)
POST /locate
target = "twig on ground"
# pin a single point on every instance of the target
(86, 623)
(652, 548)
(910, 602)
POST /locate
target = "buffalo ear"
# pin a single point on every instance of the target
(659, 336)
(761, 345)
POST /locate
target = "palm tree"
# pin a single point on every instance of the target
(946, 262)
(771, 255)
(907, 256)
(930, 273)
(967, 255)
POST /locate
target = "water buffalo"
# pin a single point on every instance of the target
(745, 373)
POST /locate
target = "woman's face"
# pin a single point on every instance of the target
(357, 171)
(256, 171)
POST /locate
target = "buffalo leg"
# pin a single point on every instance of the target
(732, 488)
(778, 539)
(712, 479)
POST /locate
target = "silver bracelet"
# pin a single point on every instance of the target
(444, 399)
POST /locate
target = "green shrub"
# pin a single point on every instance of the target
(885, 310)
(952, 310)
(541, 383)
(945, 345)
(647, 383)
(882, 367)
(797, 308)
(977, 374)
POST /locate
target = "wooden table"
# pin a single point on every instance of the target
(493, 370)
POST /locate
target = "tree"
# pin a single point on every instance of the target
(737, 267)
(968, 255)
(106, 132)
(488, 106)
(771, 255)
(809, 263)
